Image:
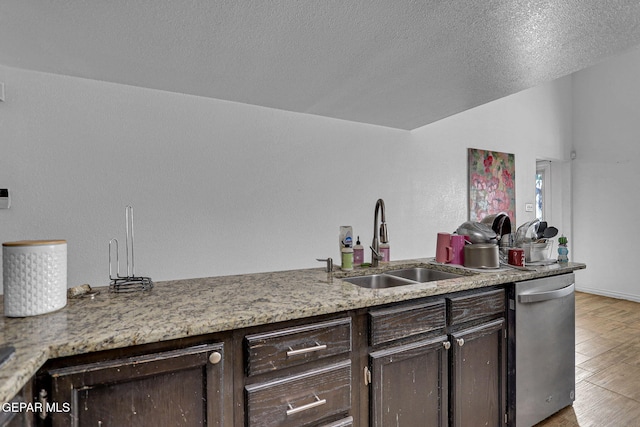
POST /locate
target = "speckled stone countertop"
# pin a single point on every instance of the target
(181, 308)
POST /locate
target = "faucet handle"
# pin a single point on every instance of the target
(329, 261)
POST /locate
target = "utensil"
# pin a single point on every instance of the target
(550, 232)
(541, 227)
(477, 232)
(481, 255)
(527, 232)
(500, 223)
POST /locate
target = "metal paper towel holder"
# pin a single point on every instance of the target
(128, 282)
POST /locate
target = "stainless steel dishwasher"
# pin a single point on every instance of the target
(542, 356)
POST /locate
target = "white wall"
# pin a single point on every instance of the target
(533, 124)
(607, 176)
(222, 188)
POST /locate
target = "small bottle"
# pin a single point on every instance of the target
(384, 251)
(563, 251)
(358, 253)
(345, 238)
(347, 258)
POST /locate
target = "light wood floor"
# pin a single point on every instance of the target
(607, 365)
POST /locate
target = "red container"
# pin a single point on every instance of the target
(516, 257)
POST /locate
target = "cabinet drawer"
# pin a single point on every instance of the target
(302, 399)
(475, 306)
(407, 320)
(345, 422)
(294, 346)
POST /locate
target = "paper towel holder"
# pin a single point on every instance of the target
(128, 282)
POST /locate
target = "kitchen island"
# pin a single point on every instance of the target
(194, 307)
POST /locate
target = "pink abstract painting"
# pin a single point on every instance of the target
(492, 188)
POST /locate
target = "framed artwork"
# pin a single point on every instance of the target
(492, 184)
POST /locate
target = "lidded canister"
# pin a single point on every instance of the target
(34, 276)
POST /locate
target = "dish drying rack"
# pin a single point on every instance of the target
(129, 282)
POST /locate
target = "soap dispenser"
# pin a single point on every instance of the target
(347, 258)
(385, 252)
(358, 253)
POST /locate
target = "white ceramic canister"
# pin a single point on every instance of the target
(34, 274)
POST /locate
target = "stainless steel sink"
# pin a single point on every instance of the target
(378, 281)
(422, 275)
(402, 277)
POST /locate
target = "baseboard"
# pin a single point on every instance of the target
(607, 293)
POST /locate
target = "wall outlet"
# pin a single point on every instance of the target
(528, 207)
(5, 199)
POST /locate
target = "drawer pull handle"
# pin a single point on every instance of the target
(317, 347)
(460, 342)
(318, 402)
(446, 345)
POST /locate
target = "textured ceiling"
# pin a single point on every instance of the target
(397, 63)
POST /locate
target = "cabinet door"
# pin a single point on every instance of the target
(409, 384)
(478, 376)
(180, 387)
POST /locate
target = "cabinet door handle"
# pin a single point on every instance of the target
(460, 342)
(42, 399)
(446, 345)
(317, 347)
(367, 376)
(318, 402)
(546, 296)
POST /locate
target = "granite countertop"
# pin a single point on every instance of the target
(181, 308)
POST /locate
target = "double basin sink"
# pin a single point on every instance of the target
(405, 276)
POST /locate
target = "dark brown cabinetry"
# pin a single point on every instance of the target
(478, 376)
(299, 376)
(345, 422)
(408, 372)
(406, 321)
(301, 399)
(439, 363)
(478, 363)
(409, 385)
(178, 387)
(285, 348)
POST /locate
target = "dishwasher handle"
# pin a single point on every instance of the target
(547, 295)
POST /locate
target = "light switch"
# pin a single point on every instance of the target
(528, 207)
(5, 199)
